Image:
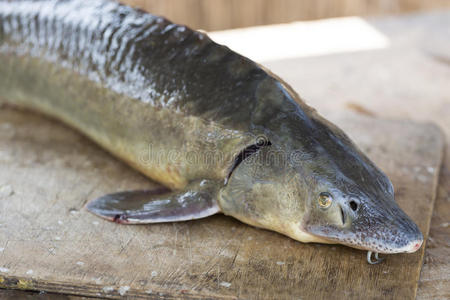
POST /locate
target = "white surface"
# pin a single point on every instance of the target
(300, 39)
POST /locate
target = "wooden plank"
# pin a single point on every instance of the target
(434, 280)
(225, 14)
(49, 242)
(31, 295)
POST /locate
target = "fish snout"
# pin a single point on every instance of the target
(407, 237)
(386, 229)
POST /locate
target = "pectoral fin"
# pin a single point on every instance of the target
(156, 206)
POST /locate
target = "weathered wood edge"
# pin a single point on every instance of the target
(433, 200)
(437, 185)
(92, 290)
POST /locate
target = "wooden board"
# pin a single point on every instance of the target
(49, 242)
(223, 14)
(434, 280)
(34, 295)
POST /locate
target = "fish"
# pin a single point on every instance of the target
(219, 132)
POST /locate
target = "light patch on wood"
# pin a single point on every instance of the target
(6, 191)
(108, 289)
(123, 290)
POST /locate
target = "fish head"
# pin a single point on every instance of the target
(345, 213)
(322, 189)
(351, 201)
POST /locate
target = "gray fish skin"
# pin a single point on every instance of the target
(139, 85)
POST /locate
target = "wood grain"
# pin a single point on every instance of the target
(225, 14)
(49, 171)
(34, 295)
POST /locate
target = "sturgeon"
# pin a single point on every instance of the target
(218, 131)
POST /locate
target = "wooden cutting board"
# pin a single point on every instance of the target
(49, 242)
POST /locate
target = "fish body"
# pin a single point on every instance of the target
(219, 131)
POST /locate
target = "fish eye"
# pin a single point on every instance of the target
(325, 200)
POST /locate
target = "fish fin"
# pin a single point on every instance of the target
(156, 206)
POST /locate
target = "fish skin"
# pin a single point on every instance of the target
(139, 85)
